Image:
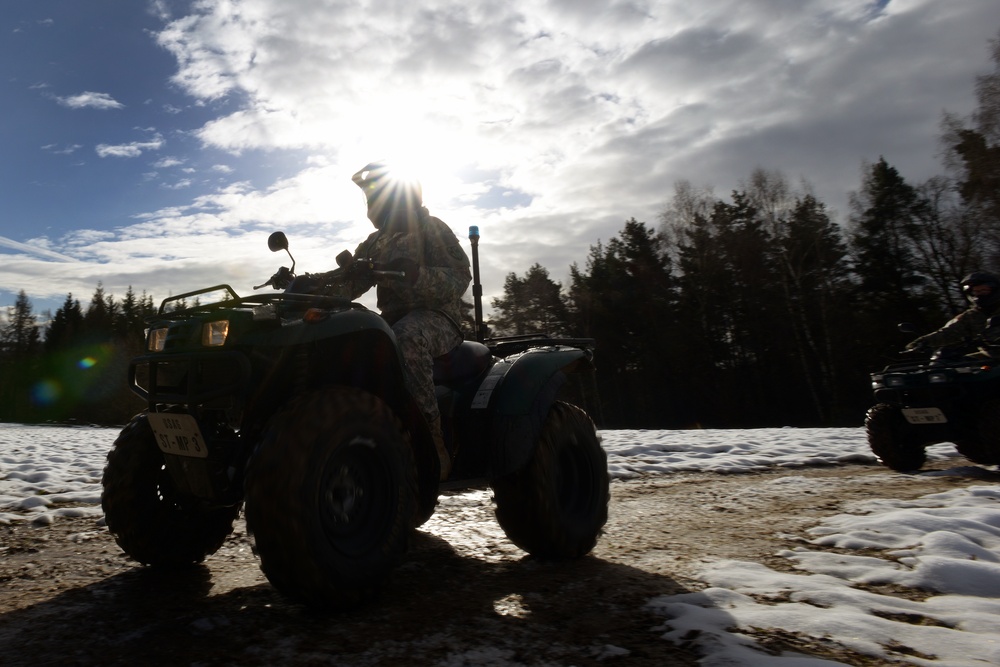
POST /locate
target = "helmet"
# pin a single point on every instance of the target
(982, 298)
(389, 195)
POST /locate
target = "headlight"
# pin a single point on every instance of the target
(937, 377)
(213, 334)
(157, 340)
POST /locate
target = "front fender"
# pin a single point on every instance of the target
(519, 393)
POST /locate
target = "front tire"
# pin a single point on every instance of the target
(556, 506)
(331, 497)
(144, 512)
(890, 441)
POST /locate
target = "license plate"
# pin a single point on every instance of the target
(924, 416)
(178, 434)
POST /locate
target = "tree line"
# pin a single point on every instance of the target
(73, 368)
(752, 310)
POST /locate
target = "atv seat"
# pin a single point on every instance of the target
(465, 362)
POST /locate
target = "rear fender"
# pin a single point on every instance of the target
(519, 392)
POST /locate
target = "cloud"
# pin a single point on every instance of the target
(167, 162)
(35, 250)
(134, 149)
(90, 100)
(68, 149)
(588, 110)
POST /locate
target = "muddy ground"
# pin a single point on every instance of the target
(464, 595)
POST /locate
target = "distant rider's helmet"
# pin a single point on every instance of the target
(390, 195)
(982, 289)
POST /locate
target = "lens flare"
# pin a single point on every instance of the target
(86, 362)
(46, 392)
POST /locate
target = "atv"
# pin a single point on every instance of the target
(291, 405)
(951, 395)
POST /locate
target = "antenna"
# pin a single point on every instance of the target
(477, 288)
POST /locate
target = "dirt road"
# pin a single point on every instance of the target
(464, 596)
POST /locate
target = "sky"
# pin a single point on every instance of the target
(940, 552)
(156, 143)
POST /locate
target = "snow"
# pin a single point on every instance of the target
(944, 548)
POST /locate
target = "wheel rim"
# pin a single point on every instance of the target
(356, 498)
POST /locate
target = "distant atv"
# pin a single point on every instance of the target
(952, 396)
(293, 406)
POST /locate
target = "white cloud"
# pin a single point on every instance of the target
(167, 162)
(33, 248)
(540, 91)
(68, 149)
(133, 149)
(90, 100)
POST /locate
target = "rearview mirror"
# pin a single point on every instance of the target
(277, 241)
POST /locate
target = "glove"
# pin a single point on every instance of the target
(282, 279)
(359, 271)
(409, 267)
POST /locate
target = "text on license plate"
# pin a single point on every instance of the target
(178, 434)
(924, 416)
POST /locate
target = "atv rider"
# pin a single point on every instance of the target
(982, 289)
(424, 307)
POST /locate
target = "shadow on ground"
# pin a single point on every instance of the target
(439, 607)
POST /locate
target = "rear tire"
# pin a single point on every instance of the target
(556, 506)
(331, 497)
(890, 440)
(144, 512)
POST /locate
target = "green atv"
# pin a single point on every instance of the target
(951, 395)
(291, 405)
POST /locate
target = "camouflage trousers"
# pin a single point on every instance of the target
(423, 335)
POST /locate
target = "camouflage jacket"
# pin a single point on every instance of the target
(966, 326)
(444, 270)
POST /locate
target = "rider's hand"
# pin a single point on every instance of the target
(282, 278)
(409, 268)
(359, 270)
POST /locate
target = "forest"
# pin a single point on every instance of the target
(757, 309)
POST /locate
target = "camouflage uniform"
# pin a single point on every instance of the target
(423, 314)
(965, 326)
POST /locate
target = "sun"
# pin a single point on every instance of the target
(417, 146)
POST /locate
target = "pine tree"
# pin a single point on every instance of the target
(624, 299)
(19, 335)
(533, 304)
(66, 325)
(886, 215)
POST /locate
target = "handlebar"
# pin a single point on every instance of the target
(279, 280)
(284, 276)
